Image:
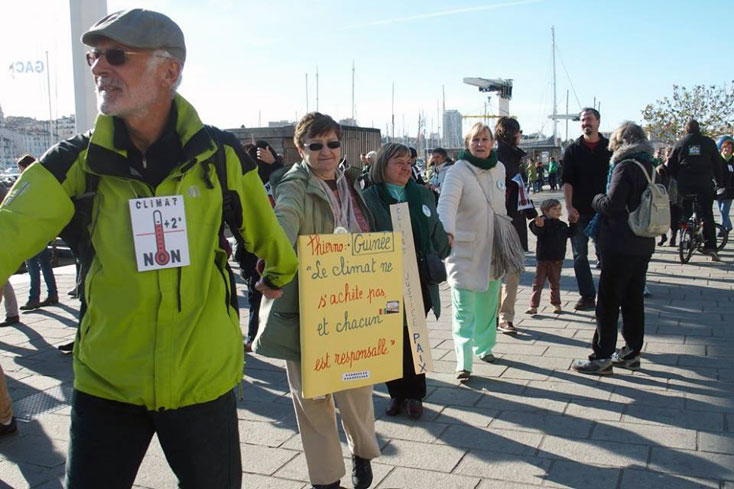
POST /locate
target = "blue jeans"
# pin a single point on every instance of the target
(41, 263)
(580, 247)
(724, 207)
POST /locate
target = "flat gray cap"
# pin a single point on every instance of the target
(139, 28)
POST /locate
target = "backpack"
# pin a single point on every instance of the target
(652, 216)
(77, 236)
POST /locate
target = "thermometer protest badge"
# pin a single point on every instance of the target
(159, 232)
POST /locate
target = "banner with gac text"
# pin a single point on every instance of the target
(351, 308)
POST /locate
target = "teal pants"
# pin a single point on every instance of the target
(474, 322)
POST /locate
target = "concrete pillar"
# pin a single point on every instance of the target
(83, 14)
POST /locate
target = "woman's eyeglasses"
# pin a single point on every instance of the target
(319, 146)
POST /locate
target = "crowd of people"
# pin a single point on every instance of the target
(144, 357)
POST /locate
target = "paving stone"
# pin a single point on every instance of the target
(403, 453)
(500, 484)
(513, 468)
(636, 479)
(408, 429)
(525, 374)
(21, 475)
(454, 397)
(652, 435)
(155, 472)
(543, 423)
(639, 397)
(478, 416)
(297, 470)
(406, 478)
(521, 402)
(266, 434)
(674, 417)
(257, 481)
(264, 460)
(716, 442)
(594, 410)
(565, 473)
(595, 452)
(690, 463)
(703, 402)
(505, 441)
(34, 449)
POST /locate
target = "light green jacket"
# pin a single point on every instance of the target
(302, 208)
(166, 338)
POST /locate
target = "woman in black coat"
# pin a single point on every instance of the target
(508, 134)
(624, 256)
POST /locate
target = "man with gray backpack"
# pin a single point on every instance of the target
(629, 216)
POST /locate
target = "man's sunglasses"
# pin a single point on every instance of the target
(318, 146)
(115, 56)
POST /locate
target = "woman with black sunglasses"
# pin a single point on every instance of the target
(316, 197)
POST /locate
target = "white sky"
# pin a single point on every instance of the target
(247, 59)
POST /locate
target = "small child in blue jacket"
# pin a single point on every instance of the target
(550, 251)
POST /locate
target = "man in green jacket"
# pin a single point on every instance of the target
(159, 347)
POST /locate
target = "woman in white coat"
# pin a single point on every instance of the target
(474, 189)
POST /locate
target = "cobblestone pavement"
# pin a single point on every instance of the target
(526, 421)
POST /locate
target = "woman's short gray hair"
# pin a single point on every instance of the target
(627, 134)
(387, 152)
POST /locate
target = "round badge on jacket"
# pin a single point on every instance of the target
(501, 184)
(426, 210)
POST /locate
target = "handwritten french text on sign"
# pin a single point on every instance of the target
(414, 309)
(159, 232)
(350, 296)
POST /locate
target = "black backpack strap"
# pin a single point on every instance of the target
(78, 236)
(231, 206)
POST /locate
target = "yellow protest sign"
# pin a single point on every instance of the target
(351, 308)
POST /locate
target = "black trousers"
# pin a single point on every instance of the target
(704, 209)
(255, 298)
(621, 287)
(109, 440)
(411, 385)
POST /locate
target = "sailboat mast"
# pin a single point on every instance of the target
(555, 102)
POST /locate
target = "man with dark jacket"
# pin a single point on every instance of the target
(585, 169)
(268, 162)
(624, 256)
(695, 162)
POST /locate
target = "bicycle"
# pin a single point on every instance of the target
(691, 234)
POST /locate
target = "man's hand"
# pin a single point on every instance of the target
(267, 291)
(539, 221)
(573, 214)
(264, 155)
(451, 239)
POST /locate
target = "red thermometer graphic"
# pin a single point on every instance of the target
(161, 255)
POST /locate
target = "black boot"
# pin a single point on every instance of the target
(361, 472)
(663, 239)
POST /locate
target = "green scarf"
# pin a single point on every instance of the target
(484, 164)
(418, 221)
